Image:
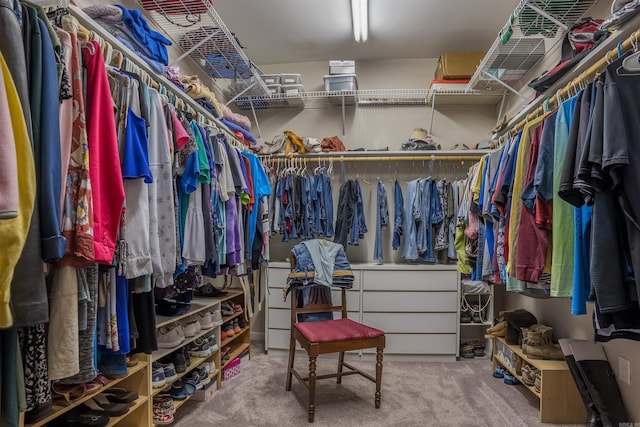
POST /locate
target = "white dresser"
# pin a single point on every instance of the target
(416, 305)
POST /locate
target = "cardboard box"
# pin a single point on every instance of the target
(206, 393)
(458, 65)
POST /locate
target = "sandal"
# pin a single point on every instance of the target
(467, 351)
(83, 416)
(101, 402)
(70, 393)
(120, 395)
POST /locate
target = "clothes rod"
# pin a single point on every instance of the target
(343, 158)
(577, 83)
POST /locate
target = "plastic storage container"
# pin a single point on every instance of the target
(292, 90)
(274, 89)
(340, 82)
(290, 79)
(342, 66)
(271, 79)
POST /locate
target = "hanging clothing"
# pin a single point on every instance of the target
(382, 220)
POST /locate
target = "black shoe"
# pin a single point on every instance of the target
(208, 290)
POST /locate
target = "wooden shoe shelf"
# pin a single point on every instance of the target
(138, 378)
(239, 342)
(560, 401)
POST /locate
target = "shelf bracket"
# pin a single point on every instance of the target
(532, 6)
(504, 96)
(344, 114)
(197, 45)
(433, 111)
(255, 118)
(240, 94)
(503, 84)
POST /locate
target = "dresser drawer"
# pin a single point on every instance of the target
(279, 339)
(275, 299)
(412, 322)
(403, 280)
(416, 302)
(432, 344)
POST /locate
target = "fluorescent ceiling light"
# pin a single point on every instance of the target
(359, 14)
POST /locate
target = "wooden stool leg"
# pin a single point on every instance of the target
(378, 375)
(340, 366)
(312, 388)
(292, 355)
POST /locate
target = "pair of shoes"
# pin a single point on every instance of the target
(100, 402)
(227, 309)
(478, 348)
(170, 336)
(163, 409)
(510, 379)
(181, 390)
(228, 329)
(203, 347)
(537, 381)
(537, 344)
(529, 375)
(499, 372)
(216, 317)
(199, 377)
(163, 373)
(241, 322)
(113, 365)
(191, 328)
(179, 358)
(476, 314)
(206, 319)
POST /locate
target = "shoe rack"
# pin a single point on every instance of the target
(138, 379)
(240, 342)
(559, 398)
(475, 316)
(198, 305)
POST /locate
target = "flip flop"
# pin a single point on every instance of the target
(101, 402)
(70, 393)
(82, 416)
(120, 395)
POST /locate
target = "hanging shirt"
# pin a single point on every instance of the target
(104, 163)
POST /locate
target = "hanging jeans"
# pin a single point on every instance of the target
(398, 215)
(410, 245)
(382, 220)
(346, 207)
(359, 226)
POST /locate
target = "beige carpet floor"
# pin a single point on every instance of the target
(461, 393)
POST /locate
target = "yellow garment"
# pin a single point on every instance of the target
(13, 232)
(522, 162)
(296, 141)
(477, 179)
(463, 267)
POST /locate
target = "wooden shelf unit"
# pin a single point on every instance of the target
(138, 379)
(560, 401)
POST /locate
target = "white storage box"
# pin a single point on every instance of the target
(342, 66)
(340, 82)
(206, 393)
(290, 79)
(292, 89)
(274, 89)
(271, 79)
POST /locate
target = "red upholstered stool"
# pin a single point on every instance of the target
(331, 336)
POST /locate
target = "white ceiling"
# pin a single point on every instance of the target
(285, 31)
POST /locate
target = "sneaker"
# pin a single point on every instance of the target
(178, 360)
(465, 317)
(169, 370)
(169, 337)
(241, 322)
(499, 372)
(171, 308)
(205, 319)
(204, 374)
(228, 329)
(213, 344)
(191, 328)
(195, 378)
(200, 348)
(163, 410)
(236, 327)
(223, 335)
(216, 317)
(227, 309)
(157, 377)
(236, 307)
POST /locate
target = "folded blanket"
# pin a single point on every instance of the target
(155, 41)
(239, 119)
(106, 12)
(235, 128)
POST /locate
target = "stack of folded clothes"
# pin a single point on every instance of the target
(130, 28)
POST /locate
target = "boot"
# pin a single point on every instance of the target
(593, 416)
(601, 382)
(539, 345)
(525, 335)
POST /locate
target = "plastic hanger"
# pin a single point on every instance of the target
(631, 62)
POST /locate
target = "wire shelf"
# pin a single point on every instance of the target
(367, 98)
(535, 28)
(195, 27)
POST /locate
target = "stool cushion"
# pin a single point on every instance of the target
(336, 330)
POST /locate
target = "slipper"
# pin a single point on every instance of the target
(70, 393)
(120, 395)
(181, 390)
(510, 379)
(499, 372)
(101, 402)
